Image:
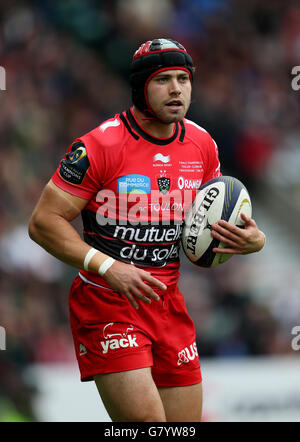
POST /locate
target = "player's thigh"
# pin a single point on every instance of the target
(131, 396)
(182, 404)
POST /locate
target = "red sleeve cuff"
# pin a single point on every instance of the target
(71, 188)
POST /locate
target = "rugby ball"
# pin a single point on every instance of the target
(225, 198)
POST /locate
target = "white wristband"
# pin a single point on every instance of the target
(105, 265)
(88, 257)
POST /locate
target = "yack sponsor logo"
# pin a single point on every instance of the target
(117, 336)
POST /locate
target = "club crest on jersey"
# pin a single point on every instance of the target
(163, 182)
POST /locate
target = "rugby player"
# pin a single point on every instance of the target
(131, 179)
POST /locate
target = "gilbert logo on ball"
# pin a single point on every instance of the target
(221, 198)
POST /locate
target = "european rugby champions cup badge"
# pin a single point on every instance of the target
(75, 165)
(164, 182)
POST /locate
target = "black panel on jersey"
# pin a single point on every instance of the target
(141, 244)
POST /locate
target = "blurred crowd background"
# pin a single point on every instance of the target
(67, 66)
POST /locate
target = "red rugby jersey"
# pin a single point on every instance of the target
(138, 188)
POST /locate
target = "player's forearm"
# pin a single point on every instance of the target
(59, 238)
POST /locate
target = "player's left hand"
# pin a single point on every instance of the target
(238, 241)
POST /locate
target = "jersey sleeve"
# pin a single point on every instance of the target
(212, 167)
(79, 172)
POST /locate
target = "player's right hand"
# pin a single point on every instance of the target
(132, 282)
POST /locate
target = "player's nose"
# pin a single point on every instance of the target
(175, 87)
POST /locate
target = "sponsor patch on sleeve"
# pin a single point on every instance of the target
(74, 167)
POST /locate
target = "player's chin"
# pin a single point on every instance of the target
(173, 115)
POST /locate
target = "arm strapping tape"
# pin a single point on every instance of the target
(105, 266)
(88, 257)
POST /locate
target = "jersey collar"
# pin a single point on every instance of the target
(159, 141)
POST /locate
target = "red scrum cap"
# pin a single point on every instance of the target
(152, 57)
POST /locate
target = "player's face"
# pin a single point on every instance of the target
(169, 95)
